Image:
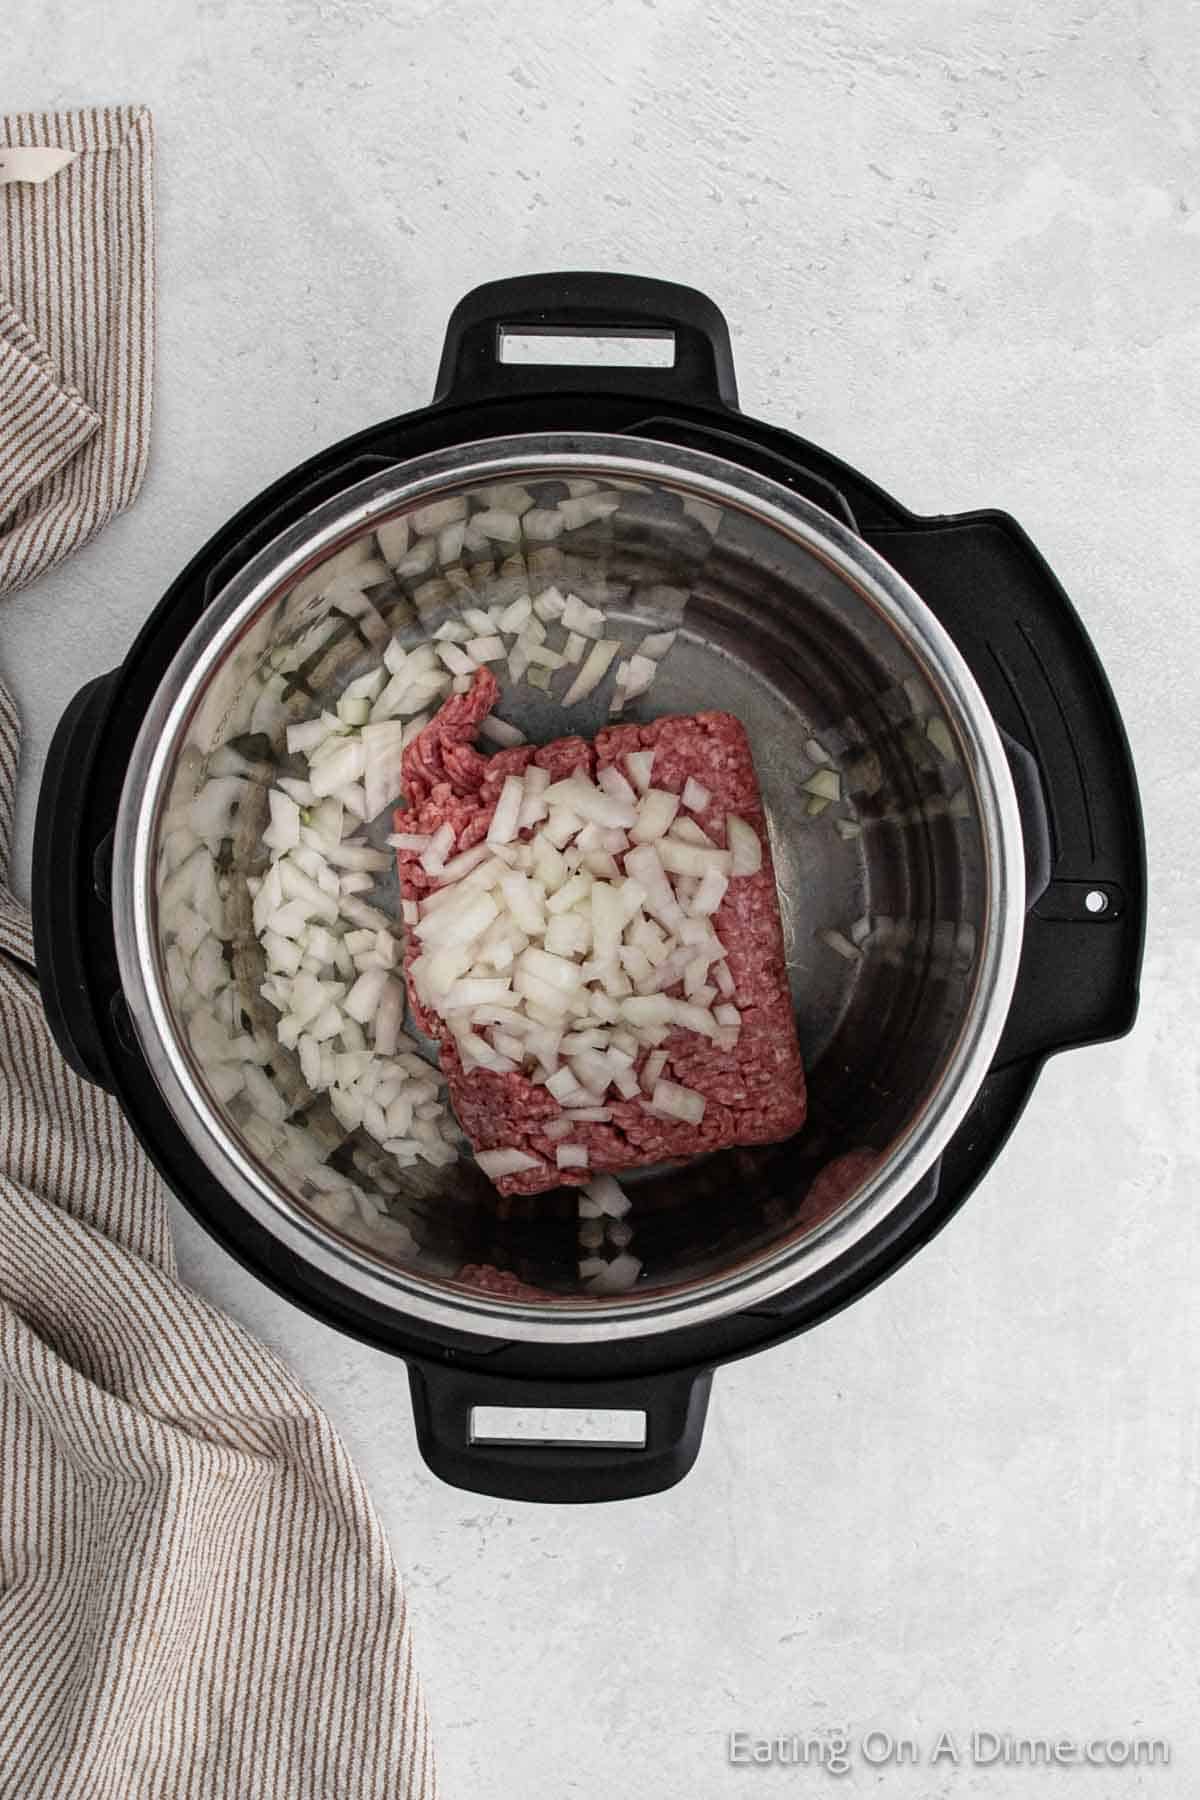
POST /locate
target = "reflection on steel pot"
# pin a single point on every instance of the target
(945, 779)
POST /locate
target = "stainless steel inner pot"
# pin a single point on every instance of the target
(785, 619)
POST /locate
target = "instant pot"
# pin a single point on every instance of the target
(979, 906)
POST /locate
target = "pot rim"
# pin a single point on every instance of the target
(283, 562)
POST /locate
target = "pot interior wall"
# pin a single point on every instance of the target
(767, 630)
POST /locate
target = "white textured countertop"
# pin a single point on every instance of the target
(960, 247)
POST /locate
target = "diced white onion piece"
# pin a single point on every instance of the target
(581, 796)
(345, 765)
(563, 1085)
(555, 1128)
(837, 940)
(571, 1156)
(485, 649)
(363, 999)
(676, 1102)
(516, 615)
(464, 921)
(508, 496)
(939, 735)
(525, 902)
(578, 616)
(388, 1017)
(464, 863)
(615, 1277)
(496, 1164)
(695, 796)
(456, 659)
(640, 763)
(656, 811)
(688, 832)
(639, 672)
(433, 859)
(436, 514)
(451, 631)
(285, 820)
(503, 527)
(500, 732)
(691, 859)
(745, 846)
(709, 894)
(550, 605)
(593, 671)
(503, 828)
(556, 971)
(543, 524)
(417, 841)
(608, 1196)
(574, 647)
(303, 738)
(657, 644)
(824, 784)
(646, 866)
(727, 1015)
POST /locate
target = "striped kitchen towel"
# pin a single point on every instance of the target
(196, 1596)
(76, 328)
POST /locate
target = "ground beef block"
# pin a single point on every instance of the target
(755, 1092)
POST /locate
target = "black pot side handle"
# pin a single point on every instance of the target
(696, 361)
(517, 1439)
(1048, 693)
(61, 863)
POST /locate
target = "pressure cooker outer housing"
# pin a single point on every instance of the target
(1044, 687)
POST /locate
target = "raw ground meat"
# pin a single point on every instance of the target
(755, 1093)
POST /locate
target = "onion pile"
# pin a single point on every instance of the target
(549, 949)
(333, 960)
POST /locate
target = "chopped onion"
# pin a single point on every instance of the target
(676, 1102)
(939, 735)
(516, 616)
(655, 813)
(503, 527)
(578, 616)
(744, 844)
(640, 763)
(496, 1164)
(574, 647)
(543, 524)
(824, 784)
(433, 859)
(639, 672)
(593, 671)
(503, 828)
(695, 796)
(571, 1156)
(837, 941)
(709, 894)
(392, 539)
(500, 732)
(657, 644)
(607, 1196)
(849, 828)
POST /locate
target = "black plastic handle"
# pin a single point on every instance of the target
(1046, 689)
(587, 305)
(445, 1399)
(62, 862)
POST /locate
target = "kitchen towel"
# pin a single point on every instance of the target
(76, 329)
(196, 1596)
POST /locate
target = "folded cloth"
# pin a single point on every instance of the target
(76, 333)
(196, 1595)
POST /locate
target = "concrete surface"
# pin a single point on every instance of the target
(958, 244)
